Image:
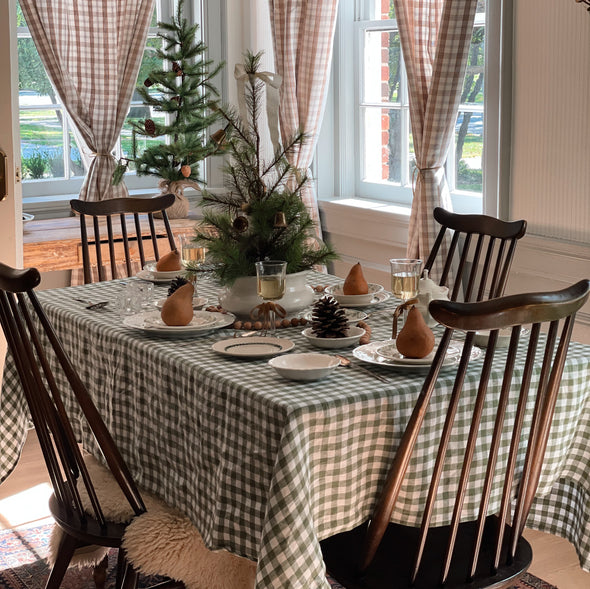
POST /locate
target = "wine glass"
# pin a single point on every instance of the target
(405, 277)
(192, 256)
(270, 285)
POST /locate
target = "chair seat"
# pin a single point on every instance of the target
(395, 557)
(161, 541)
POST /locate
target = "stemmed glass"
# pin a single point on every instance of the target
(192, 256)
(405, 278)
(270, 285)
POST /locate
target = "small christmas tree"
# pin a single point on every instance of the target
(262, 215)
(185, 92)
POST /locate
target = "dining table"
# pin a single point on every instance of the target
(267, 467)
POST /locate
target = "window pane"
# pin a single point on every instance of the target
(383, 145)
(468, 151)
(481, 6)
(42, 144)
(381, 9)
(382, 66)
(33, 84)
(472, 92)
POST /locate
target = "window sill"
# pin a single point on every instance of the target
(58, 206)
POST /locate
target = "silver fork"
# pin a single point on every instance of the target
(93, 306)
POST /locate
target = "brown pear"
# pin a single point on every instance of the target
(355, 283)
(178, 307)
(416, 339)
(169, 262)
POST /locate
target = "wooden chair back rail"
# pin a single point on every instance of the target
(121, 207)
(557, 311)
(496, 263)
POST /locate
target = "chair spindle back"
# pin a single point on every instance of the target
(130, 212)
(473, 243)
(555, 312)
(27, 332)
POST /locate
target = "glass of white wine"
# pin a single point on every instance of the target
(192, 256)
(405, 278)
(270, 275)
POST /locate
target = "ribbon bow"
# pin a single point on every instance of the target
(272, 83)
(262, 312)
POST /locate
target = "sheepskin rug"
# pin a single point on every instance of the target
(161, 541)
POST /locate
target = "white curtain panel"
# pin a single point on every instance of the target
(303, 35)
(435, 37)
(92, 51)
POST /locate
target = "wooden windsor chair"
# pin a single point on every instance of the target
(132, 217)
(490, 550)
(75, 503)
(471, 272)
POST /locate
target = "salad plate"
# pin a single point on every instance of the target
(202, 322)
(378, 298)
(147, 275)
(253, 347)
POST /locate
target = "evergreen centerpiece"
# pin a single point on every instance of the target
(182, 89)
(262, 216)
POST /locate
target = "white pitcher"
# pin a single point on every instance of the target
(428, 291)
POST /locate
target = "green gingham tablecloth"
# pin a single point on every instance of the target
(267, 467)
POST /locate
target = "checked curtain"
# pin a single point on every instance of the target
(435, 37)
(92, 51)
(303, 34)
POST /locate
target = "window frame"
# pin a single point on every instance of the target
(50, 198)
(348, 137)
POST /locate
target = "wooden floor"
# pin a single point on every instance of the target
(23, 499)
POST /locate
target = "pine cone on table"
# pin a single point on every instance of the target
(328, 319)
(176, 284)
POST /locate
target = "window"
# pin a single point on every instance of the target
(52, 163)
(382, 136)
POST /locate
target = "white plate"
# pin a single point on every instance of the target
(354, 300)
(378, 298)
(198, 303)
(369, 353)
(146, 275)
(351, 315)
(355, 333)
(253, 347)
(27, 217)
(307, 366)
(202, 322)
(166, 274)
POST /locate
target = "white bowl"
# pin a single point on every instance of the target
(363, 299)
(481, 337)
(352, 339)
(160, 274)
(310, 366)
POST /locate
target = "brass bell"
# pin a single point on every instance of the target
(218, 137)
(280, 220)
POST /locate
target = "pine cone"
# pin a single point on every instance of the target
(150, 127)
(328, 319)
(176, 284)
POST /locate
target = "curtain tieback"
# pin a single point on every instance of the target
(421, 172)
(99, 154)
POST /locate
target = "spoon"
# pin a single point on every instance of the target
(348, 364)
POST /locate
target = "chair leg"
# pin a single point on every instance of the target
(99, 573)
(121, 566)
(131, 578)
(64, 555)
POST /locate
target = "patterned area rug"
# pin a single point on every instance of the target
(23, 566)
